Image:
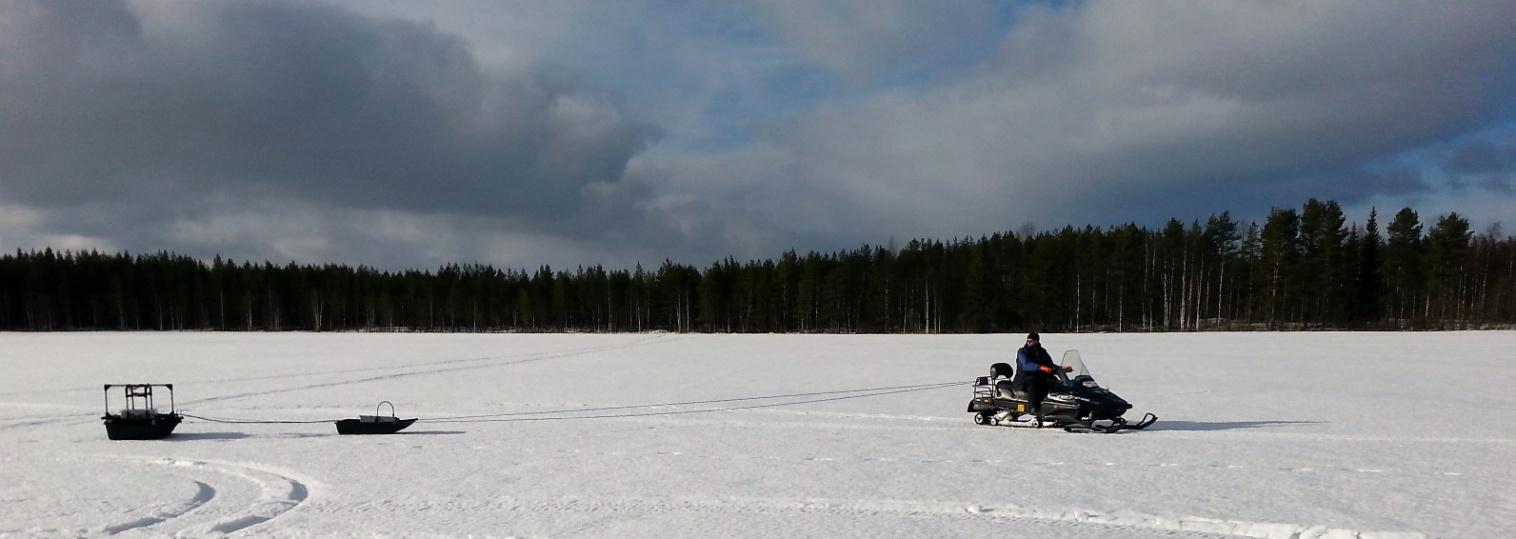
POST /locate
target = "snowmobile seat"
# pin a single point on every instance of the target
(1006, 390)
(1001, 374)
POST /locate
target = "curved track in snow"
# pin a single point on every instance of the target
(215, 510)
(204, 494)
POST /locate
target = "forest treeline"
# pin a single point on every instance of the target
(1305, 268)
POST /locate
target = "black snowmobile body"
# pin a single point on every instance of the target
(1074, 402)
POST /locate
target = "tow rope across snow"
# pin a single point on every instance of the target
(577, 413)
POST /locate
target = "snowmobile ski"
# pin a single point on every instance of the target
(1112, 427)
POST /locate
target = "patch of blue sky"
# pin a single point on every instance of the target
(737, 115)
(801, 86)
(1435, 163)
(970, 55)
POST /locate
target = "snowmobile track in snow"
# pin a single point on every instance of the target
(204, 493)
(1167, 525)
(492, 361)
(203, 514)
(881, 460)
(447, 366)
(23, 422)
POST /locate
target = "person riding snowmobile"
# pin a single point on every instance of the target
(1034, 372)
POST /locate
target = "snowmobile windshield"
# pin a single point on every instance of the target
(1077, 369)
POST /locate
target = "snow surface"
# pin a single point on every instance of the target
(1261, 435)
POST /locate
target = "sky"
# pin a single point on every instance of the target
(402, 134)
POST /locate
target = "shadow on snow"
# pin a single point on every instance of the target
(195, 436)
(224, 436)
(1224, 425)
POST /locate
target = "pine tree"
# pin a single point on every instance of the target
(1404, 263)
(1280, 242)
(975, 303)
(1322, 275)
(1297, 268)
(1221, 236)
(1447, 250)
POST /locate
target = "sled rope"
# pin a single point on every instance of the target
(256, 421)
(906, 389)
(576, 413)
(689, 403)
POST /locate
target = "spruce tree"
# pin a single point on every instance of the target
(1369, 287)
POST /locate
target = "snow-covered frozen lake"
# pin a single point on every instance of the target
(1261, 434)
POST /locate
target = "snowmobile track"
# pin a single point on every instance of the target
(1114, 521)
(485, 363)
(203, 514)
(890, 460)
(203, 495)
(24, 422)
(509, 359)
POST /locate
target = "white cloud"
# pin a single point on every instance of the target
(26, 228)
(1103, 111)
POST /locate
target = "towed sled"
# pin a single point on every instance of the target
(375, 424)
(1074, 403)
(140, 420)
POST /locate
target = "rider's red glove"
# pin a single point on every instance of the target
(1046, 369)
(1068, 368)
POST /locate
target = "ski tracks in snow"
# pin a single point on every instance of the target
(434, 367)
(426, 368)
(216, 511)
(887, 460)
(1115, 521)
(1181, 524)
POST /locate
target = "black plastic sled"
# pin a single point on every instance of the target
(375, 424)
(140, 420)
(1075, 403)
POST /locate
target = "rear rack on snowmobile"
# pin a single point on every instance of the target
(140, 420)
(984, 389)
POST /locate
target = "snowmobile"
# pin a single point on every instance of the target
(1074, 403)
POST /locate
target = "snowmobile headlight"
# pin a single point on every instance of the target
(1090, 383)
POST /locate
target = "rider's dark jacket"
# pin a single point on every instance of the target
(1029, 359)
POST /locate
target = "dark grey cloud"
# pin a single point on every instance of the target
(1479, 157)
(523, 132)
(1481, 162)
(144, 101)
